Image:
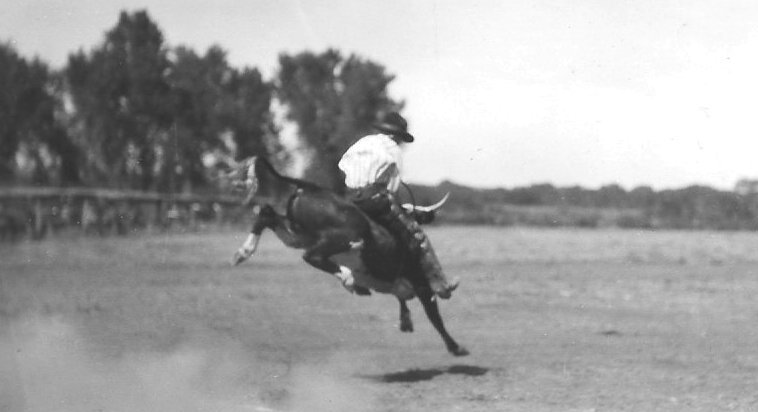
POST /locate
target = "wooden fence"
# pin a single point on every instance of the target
(36, 212)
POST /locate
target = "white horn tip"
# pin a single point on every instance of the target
(429, 208)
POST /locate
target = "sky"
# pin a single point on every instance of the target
(498, 93)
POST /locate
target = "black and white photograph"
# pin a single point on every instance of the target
(378, 206)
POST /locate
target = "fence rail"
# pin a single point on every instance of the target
(36, 212)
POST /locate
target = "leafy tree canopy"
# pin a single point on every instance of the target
(333, 100)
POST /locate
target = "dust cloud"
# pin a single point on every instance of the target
(45, 365)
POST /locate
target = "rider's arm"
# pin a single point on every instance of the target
(390, 175)
(389, 172)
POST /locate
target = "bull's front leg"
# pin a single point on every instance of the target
(319, 256)
(343, 273)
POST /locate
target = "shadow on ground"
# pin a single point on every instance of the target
(418, 375)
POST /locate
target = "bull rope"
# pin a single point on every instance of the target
(410, 193)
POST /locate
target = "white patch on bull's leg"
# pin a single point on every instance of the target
(247, 249)
(345, 275)
(251, 243)
(357, 245)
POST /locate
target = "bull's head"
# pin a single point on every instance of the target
(425, 214)
(431, 208)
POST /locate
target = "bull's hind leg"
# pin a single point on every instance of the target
(319, 256)
(266, 218)
(247, 249)
(433, 313)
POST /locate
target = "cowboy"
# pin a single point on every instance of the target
(372, 176)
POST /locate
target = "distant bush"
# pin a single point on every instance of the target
(633, 221)
(694, 207)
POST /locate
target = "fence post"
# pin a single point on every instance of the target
(38, 230)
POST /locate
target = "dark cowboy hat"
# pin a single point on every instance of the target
(395, 125)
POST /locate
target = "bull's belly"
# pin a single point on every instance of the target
(399, 287)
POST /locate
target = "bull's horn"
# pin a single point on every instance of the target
(430, 208)
(434, 206)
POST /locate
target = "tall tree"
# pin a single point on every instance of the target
(122, 100)
(197, 91)
(47, 145)
(15, 83)
(28, 108)
(11, 69)
(216, 107)
(251, 120)
(332, 100)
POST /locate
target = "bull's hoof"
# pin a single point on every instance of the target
(406, 325)
(459, 351)
(361, 291)
(445, 289)
(238, 258)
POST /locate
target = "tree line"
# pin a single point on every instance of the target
(136, 113)
(692, 207)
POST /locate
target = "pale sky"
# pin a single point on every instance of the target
(500, 93)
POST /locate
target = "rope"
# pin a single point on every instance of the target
(410, 193)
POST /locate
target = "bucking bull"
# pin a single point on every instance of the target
(327, 225)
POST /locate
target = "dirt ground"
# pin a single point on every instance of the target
(556, 320)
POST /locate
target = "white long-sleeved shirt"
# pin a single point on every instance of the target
(372, 159)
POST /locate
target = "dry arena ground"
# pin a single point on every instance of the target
(556, 320)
